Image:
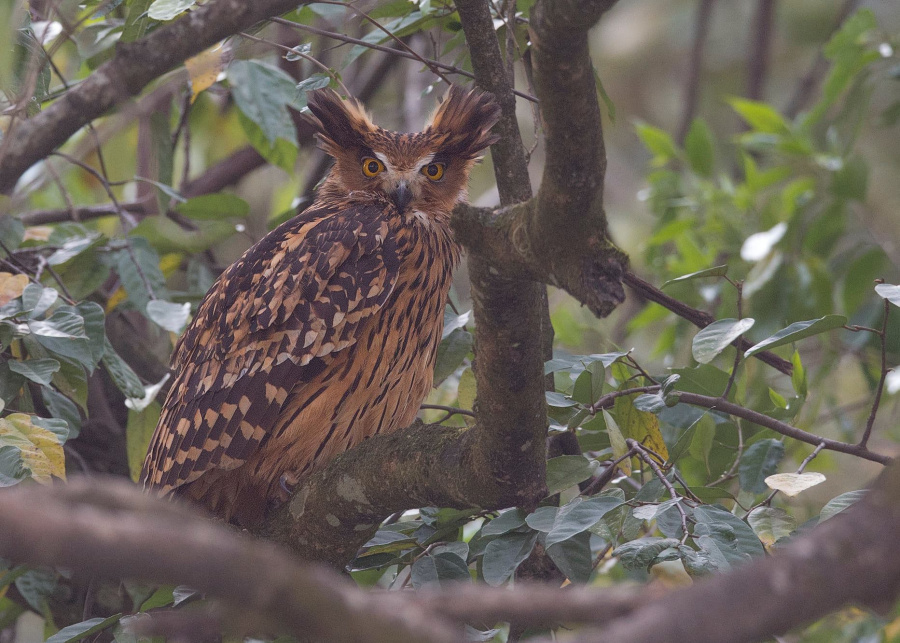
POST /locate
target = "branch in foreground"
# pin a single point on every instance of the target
(110, 529)
(130, 70)
(849, 560)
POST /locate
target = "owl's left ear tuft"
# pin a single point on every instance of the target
(340, 124)
(464, 120)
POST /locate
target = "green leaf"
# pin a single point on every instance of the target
(658, 142)
(578, 516)
(62, 407)
(95, 329)
(36, 370)
(716, 337)
(567, 470)
(717, 530)
(281, 152)
(578, 363)
(64, 334)
(640, 554)
(759, 461)
(573, 557)
(167, 236)
(505, 522)
(35, 586)
(173, 317)
(841, 502)
(37, 300)
(214, 206)
(451, 353)
(604, 97)
(504, 554)
(558, 400)
(760, 116)
(131, 265)
(80, 631)
(889, 292)
(168, 9)
(261, 92)
(138, 432)
(852, 180)
(314, 82)
(698, 144)
(436, 570)
(542, 519)
(771, 524)
(121, 373)
(715, 271)
(798, 331)
(12, 232)
(71, 248)
(798, 375)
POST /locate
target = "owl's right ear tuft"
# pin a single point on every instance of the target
(464, 120)
(340, 124)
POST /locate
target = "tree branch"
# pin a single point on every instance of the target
(509, 312)
(125, 75)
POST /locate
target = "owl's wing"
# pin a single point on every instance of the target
(267, 326)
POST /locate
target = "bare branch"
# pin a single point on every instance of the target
(758, 56)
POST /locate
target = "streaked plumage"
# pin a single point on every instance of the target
(325, 332)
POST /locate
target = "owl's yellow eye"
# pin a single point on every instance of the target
(434, 171)
(371, 167)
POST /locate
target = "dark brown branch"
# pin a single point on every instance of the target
(882, 336)
(125, 75)
(695, 66)
(758, 58)
(698, 318)
(849, 560)
(509, 312)
(731, 408)
(111, 530)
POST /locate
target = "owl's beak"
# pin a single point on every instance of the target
(401, 196)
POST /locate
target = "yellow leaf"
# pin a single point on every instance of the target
(38, 233)
(204, 68)
(170, 262)
(640, 426)
(11, 286)
(39, 449)
(115, 299)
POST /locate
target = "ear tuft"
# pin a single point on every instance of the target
(340, 124)
(464, 119)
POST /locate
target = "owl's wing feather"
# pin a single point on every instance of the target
(267, 326)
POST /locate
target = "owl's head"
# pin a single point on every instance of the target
(425, 172)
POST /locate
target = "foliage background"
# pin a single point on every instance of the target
(682, 195)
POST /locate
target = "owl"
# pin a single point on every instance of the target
(325, 332)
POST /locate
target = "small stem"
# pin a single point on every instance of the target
(882, 335)
(649, 457)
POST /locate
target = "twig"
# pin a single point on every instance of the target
(607, 401)
(692, 93)
(296, 52)
(608, 473)
(882, 336)
(698, 318)
(378, 25)
(452, 410)
(390, 50)
(783, 428)
(650, 458)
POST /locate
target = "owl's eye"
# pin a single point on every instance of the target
(371, 167)
(434, 171)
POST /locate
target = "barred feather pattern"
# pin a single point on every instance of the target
(308, 344)
(326, 331)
